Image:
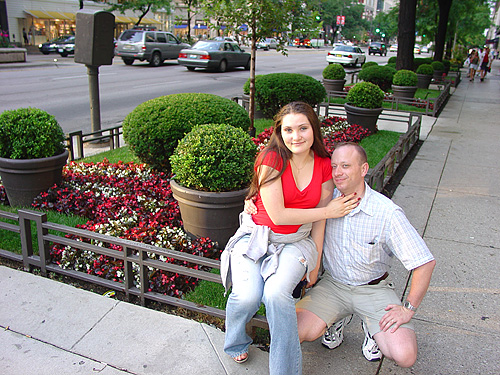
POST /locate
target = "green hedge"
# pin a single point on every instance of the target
(405, 77)
(153, 128)
(30, 133)
(334, 71)
(365, 95)
(275, 90)
(379, 75)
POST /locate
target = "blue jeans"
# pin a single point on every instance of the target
(249, 290)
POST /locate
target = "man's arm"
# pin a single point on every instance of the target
(396, 314)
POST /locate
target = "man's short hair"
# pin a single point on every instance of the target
(360, 150)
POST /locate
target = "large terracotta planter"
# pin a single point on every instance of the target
(206, 214)
(334, 84)
(365, 117)
(423, 81)
(24, 179)
(404, 92)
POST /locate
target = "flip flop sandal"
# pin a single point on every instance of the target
(242, 360)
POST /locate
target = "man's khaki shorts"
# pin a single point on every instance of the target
(332, 301)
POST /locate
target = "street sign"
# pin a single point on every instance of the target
(341, 20)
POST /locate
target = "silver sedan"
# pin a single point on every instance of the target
(346, 55)
(214, 55)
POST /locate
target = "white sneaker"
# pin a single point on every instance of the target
(370, 348)
(334, 335)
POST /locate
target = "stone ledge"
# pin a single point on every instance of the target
(8, 55)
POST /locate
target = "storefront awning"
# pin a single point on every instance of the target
(46, 14)
(122, 19)
(144, 20)
(180, 26)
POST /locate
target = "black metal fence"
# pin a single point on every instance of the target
(76, 140)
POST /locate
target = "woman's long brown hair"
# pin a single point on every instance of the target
(277, 145)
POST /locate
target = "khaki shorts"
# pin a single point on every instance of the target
(332, 301)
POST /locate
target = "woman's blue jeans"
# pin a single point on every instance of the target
(249, 289)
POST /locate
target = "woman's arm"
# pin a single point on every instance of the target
(272, 198)
(318, 230)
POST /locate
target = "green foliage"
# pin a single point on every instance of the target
(405, 77)
(421, 60)
(447, 64)
(334, 71)
(214, 157)
(153, 128)
(426, 69)
(368, 64)
(30, 133)
(437, 66)
(392, 60)
(141, 6)
(391, 65)
(275, 90)
(365, 95)
(379, 75)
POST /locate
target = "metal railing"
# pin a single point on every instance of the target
(76, 140)
(135, 255)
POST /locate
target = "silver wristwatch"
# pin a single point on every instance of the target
(409, 306)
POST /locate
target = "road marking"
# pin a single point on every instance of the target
(82, 76)
(157, 84)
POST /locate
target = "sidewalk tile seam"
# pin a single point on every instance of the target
(460, 242)
(65, 350)
(214, 347)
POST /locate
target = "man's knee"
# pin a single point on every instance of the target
(400, 346)
(310, 326)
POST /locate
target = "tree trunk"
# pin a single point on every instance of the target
(444, 12)
(406, 34)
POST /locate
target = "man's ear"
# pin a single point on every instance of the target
(364, 169)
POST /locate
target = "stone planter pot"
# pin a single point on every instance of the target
(423, 81)
(24, 179)
(206, 214)
(365, 117)
(404, 92)
(438, 75)
(334, 84)
(10, 55)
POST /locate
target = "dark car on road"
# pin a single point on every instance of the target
(52, 45)
(66, 47)
(377, 48)
(214, 55)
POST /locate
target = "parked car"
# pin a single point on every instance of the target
(67, 47)
(377, 48)
(153, 46)
(416, 49)
(424, 49)
(302, 42)
(51, 46)
(393, 48)
(346, 55)
(267, 44)
(214, 54)
(225, 38)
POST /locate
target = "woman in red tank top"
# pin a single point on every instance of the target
(276, 248)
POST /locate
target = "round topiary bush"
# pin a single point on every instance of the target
(153, 128)
(365, 95)
(30, 133)
(437, 66)
(417, 61)
(368, 64)
(405, 77)
(214, 157)
(273, 91)
(378, 75)
(392, 60)
(426, 69)
(334, 71)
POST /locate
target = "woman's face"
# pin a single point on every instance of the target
(297, 133)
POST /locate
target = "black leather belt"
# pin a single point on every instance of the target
(376, 281)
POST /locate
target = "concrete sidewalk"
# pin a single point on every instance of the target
(451, 194)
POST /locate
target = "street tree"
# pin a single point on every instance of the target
(191, 11)
(387, 24)
(140, 6)
(444, 12)
(406, 34)
(254, 20)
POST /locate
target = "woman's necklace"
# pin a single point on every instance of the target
(305, 164)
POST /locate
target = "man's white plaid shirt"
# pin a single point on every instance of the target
(358, 247)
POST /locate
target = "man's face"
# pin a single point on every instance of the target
(347, 170)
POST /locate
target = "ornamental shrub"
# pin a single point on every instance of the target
(30, 133)
(365, 95)
(405, 77)
(417, 61)
(392, 60)
(273, 91)
(437, 66)
(426, 69)
(154, 128)
(214, 157)
(379, 75)
(446, 64)
(334, 71)
(368, 64)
